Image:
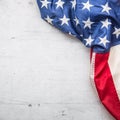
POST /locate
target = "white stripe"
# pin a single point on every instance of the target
(92, 66)
(92, 74)
(114, 63)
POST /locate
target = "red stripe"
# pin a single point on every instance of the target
(105, 85)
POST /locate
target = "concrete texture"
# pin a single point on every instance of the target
(44, 74)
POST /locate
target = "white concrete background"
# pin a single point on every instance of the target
(44, 74)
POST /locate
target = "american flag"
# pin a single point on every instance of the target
(97, 25)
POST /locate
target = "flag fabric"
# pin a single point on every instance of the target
(97, 25)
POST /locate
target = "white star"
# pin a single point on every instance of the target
(88, 23)
(117, 32)
(64, 20)
(48, 19)
(103, 41)
(73, 4)
(59, 3)
(45, 3)
(87, 5)
(106, 8)
(76, 21)
(105, 23)
(89, 41)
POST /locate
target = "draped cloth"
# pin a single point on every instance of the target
(97, 25)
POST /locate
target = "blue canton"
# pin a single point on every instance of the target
(95, 22)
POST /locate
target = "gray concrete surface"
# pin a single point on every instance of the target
(44, 74)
